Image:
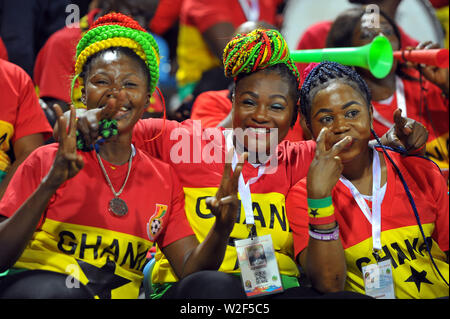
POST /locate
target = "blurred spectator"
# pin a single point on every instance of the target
(205, 29)
(315, 36)
(25, 26)
(421, 92)
(23, 126)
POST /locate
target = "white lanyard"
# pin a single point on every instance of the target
(244, 188)
(251, 11)
(377, 198)
(401, 103)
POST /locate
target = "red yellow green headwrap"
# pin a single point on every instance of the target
(118, 30)
(257, 50)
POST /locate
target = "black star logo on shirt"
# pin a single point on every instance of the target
(102, 280)
(313, 212)
(418, 278)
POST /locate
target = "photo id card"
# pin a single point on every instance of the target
(378, 281)
(259, 267)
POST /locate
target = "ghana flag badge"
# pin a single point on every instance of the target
(154, 226)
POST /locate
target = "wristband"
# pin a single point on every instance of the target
(321, 211)
(314, 233)
(320, 202)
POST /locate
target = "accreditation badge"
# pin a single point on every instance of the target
(378, 281)
(259, 267)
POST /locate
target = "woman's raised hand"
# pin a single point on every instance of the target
(406, 133)
(225, 204)
(326, 167)
(67, 162)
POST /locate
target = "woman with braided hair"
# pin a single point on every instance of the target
(366, 192)
(78, 224)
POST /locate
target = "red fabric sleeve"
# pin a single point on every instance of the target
(30, 117)
(211, 107)
(27, 178)
(3, 51)
(299, 156)
(297, 213)
(177, 226)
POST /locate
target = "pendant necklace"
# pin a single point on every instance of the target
(117, 206)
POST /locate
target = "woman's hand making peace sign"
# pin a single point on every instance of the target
(67, 162)
(326, 167)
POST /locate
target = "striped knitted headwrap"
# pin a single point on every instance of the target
(257, 50)
(118, 30)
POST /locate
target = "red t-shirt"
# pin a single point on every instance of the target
(315, 37)
(401, 239)
(21, 113)
(212, 107)
(3, 51)
(78, 229)
(197, 156)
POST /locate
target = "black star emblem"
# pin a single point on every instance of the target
(418, 277)
(102, 280)
(313, 212)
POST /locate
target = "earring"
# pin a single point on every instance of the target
(83, 100)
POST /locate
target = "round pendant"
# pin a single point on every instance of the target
(118, 206)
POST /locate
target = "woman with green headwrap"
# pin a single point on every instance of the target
(79, 224)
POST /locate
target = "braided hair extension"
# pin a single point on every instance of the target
(261, 49)
(321, 76)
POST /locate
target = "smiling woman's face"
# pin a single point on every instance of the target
(110, 73)
(262, 102)
(344, 111)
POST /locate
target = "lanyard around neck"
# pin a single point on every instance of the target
(373, 217)
(251, 11)
(244, 188)
(401, 103)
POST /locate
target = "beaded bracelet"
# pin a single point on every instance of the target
(321, 211)
(106, 129)
(328, 234)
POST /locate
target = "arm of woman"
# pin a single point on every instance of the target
(16, 231)
(187, 256)
(324, 260)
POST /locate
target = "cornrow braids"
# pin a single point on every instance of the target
(320, 77)
(116, 30)
(257, 50)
